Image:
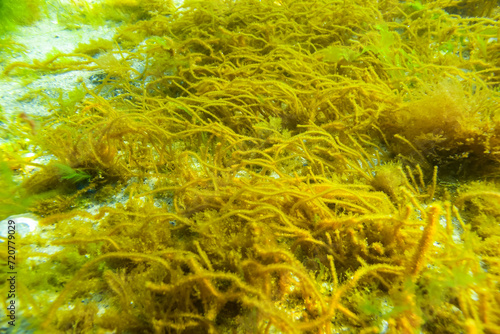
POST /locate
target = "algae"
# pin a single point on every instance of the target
(284, 166)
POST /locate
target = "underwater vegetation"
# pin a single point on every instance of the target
(289, 166)
(14, 13)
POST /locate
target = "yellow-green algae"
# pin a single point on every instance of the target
(289, 166)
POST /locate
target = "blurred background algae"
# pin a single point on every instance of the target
(273, 166)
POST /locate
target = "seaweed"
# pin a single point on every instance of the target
(94, 47)
(74, 175)
(18, 13)
(276, 166)
(13, 199)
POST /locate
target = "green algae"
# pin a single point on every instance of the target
(19, 13)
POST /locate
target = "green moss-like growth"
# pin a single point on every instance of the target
(15, 13)
(13, 199)
(73, 175)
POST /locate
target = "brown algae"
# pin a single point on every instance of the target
(284, 167)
